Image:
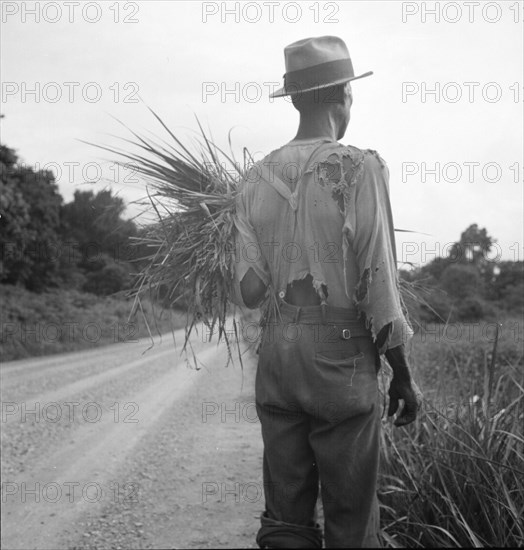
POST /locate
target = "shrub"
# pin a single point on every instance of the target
(111, 277)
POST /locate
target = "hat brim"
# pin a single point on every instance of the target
(282, 92)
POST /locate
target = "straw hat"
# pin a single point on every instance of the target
(314, 63)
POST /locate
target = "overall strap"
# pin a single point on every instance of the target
(292, 197)
(282, 188)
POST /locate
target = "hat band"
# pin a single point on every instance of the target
(319, 75)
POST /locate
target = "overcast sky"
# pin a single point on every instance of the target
(446, 94)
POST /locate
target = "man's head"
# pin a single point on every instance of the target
(318, 75)
(330, 102)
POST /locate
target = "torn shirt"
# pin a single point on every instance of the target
(319, 208)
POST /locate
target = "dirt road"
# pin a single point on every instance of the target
(116, 448)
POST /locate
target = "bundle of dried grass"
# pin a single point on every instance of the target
(191, 244)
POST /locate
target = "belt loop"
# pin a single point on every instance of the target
(323, 306)
(297, 314)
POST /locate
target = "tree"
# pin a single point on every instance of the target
(93, 223)
(45, 243)
(474, 246)
(435, 269)
(96, 224)
(30, 219)
(14, 214)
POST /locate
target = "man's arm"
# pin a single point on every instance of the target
(251, 276)
(378, 294)
(252, 289)
(402, 385)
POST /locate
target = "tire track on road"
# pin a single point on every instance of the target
(83, 384)
(12, 371)
(200, 473)
(91, 460)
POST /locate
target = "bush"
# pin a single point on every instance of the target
(474, 309)
(110, 277)
(513, 298)
(461, 281)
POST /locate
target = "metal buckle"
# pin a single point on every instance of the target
(346, 334)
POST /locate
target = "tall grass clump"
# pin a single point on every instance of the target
(455, 478)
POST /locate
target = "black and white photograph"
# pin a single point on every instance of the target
(261, 274)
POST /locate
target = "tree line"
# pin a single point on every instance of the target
(469, 283)
(45, 242)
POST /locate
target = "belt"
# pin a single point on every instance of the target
(343, 319)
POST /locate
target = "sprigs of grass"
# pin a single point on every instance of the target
(456, 477)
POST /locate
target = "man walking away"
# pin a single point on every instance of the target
(315, 235)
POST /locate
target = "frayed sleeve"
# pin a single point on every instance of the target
(377, 295)
(248, 252)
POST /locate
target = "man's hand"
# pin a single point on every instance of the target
(408, 391)
(402, 387)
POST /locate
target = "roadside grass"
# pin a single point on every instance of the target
(455, 477)
(69, 320)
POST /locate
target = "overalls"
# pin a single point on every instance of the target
(317, 401)
(316, 384)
